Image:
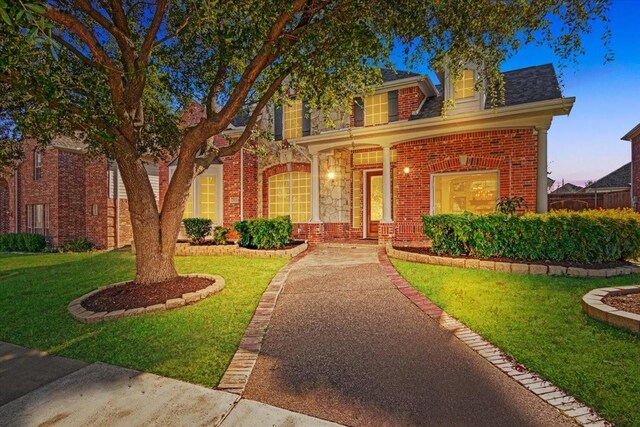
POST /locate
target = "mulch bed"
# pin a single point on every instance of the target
(629, 302)
(289, 245)
(428, 251)
(206, 243)
(131, 295)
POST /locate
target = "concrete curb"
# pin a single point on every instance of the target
(236, 376)
(86, 316)
(545, 390)
(511, 267)
(594, 307)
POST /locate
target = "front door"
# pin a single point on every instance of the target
(374, 203)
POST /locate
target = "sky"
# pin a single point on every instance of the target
(586, 144)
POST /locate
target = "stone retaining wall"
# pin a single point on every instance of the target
(87, 316)
(186, 249)
(511, 267)
(592, 305)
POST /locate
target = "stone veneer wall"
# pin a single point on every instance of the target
(335, 196)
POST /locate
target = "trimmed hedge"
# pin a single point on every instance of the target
(22, 242)
(590, 236)
(264, 233)
(197, 229)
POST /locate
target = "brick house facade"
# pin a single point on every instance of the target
(633, 136)
(394, 158)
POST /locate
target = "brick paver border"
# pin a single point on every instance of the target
(511, 267)
(187, 249)
(594, 307)
(236, 376)
(87, 316)
(533, 382)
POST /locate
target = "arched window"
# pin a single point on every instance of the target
(290, 194)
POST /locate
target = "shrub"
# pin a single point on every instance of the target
(197, 229)
(264, 233)
(22, 242)
(220, 235)
(509, 205)
(585, 236)
(77, 245)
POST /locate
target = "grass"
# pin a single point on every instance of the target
(193, 343)
(539, 321)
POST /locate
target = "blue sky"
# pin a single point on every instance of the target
(586, 144)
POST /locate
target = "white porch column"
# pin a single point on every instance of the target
(315, 189)
(541, 179)
(386, 185)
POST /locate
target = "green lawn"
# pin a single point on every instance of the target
(539, 321)
(193, 343)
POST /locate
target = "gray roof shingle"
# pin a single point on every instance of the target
(567, 188)
(531, 84)
(620, 177)
(389, 75)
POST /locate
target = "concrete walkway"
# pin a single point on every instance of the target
(345, 345)
(41, 390)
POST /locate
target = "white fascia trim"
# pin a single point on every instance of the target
(632, 133)
(554, 107)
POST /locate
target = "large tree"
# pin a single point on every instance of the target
(121, 71)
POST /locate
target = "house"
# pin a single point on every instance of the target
(393, 158)
(633, 136)
(618, 180)
(567, 189)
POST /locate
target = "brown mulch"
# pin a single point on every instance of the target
(289, 245)
(131, 295)
(629, 302)
(428, 251)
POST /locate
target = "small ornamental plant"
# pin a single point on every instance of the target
(220, 235)
(197, 229)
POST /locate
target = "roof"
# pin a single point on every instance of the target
(550, 181)
(389, 75)
(632, 133)
(620, 177)
(567, 188)
(68, 143)
(521, 86)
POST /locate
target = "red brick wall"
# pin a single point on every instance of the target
(512, 152)
(250, 197)
(96, 190)
(635, 171)
(7, 202)
(409, 100)
(71, 197)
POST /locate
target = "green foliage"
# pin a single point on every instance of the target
(77, 245)
(509, 205)
(264, 233)
(220, 235)
(22, 242)
(593, 236)
(197, 229)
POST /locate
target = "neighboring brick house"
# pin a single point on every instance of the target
(388, 162)
(633, 136)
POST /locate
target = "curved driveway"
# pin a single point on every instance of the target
(345, 345)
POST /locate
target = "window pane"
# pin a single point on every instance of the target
(301, 196)
(357, 191)
(464, 88)
(293, 120)
(188, 209)
(471, 192)
(376, 198)
(207, 188)
(376, 109)
(279, 195)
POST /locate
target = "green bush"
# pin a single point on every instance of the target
(77, 245)
(264, 233)
(22, 242)
(591, 236)
(220, 235)
(197, 229)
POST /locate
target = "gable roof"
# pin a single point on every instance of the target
(567, 188)
(389, 75)
(521, 86)
(620, 177)
(68, 143)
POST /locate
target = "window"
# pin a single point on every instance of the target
(357, 191)
(372, 157)
(475, 192)
(38, 219)
(37, 164)
(464, 88)
(204, 200)
(207, 188)
(293, 120)
(290, 194)
(376, 110)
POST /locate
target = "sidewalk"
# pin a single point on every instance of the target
(345, 345)
(37, 389)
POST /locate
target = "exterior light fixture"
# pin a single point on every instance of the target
(406, 170)
(331, 175)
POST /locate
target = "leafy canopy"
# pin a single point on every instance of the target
(123, 70)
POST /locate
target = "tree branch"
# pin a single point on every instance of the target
(174, 34)
(150, 37)
(76, 52)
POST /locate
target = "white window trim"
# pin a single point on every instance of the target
(213, 170)
(365, 197)
(432, 179)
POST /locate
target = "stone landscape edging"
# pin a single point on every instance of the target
(87, 316)
(187, 249)
(511, 267)
(594, 307)
(536, 384)
(237, 375)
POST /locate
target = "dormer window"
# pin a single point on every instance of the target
(465, 87)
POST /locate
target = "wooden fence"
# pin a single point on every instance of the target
(580, 201)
